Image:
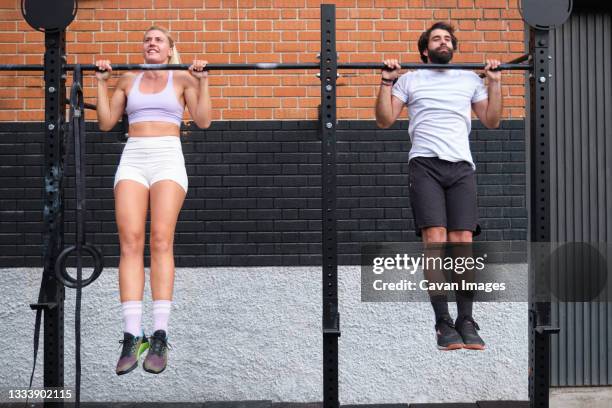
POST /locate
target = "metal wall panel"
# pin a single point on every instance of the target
(581, 185)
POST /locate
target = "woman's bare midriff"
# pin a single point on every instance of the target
(147, 129)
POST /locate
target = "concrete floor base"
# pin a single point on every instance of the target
(581, 397)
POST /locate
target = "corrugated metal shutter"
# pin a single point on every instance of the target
(581, 185)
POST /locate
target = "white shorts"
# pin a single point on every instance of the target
(152, 158)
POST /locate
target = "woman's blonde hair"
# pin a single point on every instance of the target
(175, 58)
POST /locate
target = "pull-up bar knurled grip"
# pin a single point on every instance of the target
(262, 66)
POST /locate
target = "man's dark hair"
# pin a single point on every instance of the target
(424, 38)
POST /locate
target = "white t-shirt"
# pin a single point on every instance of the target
(440, 108)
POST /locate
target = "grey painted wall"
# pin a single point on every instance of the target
(255, 333)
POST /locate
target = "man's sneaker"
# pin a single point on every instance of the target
(133, 347)
(157, 358)
(447, 336)
(467, 328)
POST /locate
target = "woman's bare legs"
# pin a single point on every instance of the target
(166, 201)
(167, 198)
(131, 204)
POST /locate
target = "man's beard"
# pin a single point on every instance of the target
(437, 57)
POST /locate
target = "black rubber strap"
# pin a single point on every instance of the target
(77, 120)
(36, 343)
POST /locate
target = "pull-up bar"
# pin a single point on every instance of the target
(374, 65)
(263, 66)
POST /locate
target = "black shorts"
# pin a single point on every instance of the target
(443, 194)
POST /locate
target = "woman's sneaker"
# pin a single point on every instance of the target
(133, 347)
(468, 329)
(157, 358)
(447, 336)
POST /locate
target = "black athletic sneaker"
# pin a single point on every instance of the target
(468, 329)
(157, 358)
(447, 336)
(133, 347)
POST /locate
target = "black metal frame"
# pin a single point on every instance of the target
(52, 293)
(51, 299)
(540, 327)
(329, 259)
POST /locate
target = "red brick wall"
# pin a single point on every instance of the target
(248, 31)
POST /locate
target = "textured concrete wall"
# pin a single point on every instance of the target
(254, 333)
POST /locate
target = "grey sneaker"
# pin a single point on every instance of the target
(447, 336)
(157, 357)
(468, 329)
(133, 347)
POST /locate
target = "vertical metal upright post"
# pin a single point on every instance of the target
(540, 228)
(55, 96)
(331, 317)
